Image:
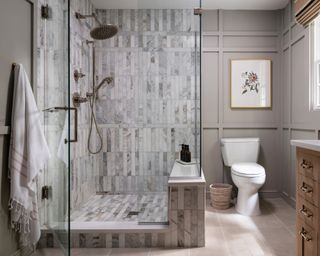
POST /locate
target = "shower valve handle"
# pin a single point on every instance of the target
(77, 75)
(77, 99)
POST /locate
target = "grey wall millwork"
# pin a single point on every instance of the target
(231, 35)
(299, 121)
(16, 44)
(258, 34)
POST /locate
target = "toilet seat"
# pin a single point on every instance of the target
(248, 170)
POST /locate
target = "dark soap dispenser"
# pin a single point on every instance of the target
(183, 153)
(187, 154)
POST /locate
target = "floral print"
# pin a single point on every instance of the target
(250, 82)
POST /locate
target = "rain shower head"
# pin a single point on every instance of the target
(101, 32)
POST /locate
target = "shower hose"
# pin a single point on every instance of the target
(93, 123)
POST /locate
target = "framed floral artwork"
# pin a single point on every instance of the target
(251, 83)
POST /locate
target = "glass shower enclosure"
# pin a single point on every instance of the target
(151, 107)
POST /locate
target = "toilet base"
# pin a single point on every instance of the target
(248, 203)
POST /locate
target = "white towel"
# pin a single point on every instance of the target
(27, 156)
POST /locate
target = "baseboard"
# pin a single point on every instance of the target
(290, 200)
(270, 194)
(263, 194)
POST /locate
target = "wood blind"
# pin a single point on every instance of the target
(306, 10)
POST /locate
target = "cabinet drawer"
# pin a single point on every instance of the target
(308, 165)
(307, 189)
(307, 212)
(306, 239)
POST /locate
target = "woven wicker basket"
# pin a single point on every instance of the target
(220, 195)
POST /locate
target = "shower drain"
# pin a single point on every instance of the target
(132, 213)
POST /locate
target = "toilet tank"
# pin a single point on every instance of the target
(239, 150)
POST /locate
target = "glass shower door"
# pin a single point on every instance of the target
(53, 97)
(169, 97)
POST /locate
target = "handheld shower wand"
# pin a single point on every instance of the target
(107, 80)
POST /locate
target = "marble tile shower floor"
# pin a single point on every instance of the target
(148, 207)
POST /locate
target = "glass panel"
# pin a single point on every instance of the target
(53, 87)
(198, 126)
(169, 97)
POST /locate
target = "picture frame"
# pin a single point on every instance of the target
(251, 84)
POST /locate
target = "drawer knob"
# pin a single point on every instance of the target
(305, 235)
(306, 213)
(306, 189)
(306, 165)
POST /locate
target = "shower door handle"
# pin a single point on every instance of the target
(56, 109)
(75, 134)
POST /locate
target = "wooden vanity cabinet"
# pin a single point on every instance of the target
(307, 202)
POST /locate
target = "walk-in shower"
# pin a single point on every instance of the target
(138, 84)
(143, 117)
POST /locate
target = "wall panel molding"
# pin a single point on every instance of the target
(252, 50)
(219, 120)
(241, 33)
(301, 123)
(241, 50)
(4, 130)
(241, 126)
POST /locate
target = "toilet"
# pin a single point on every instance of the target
(241, 154)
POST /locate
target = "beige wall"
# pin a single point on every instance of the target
(16, 46)
(233, 35)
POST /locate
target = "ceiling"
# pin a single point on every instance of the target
(186, 4)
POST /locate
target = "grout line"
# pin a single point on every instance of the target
(265, 243)
(222, 232)
(283, 224)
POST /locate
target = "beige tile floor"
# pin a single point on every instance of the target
(227, 234)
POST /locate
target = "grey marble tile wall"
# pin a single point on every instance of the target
(150, 107)
(84, 166)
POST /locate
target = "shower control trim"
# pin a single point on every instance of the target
(77, 75)
(77, 99)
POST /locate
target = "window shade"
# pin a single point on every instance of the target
(307, 12)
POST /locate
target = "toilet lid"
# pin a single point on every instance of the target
(248, 169)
